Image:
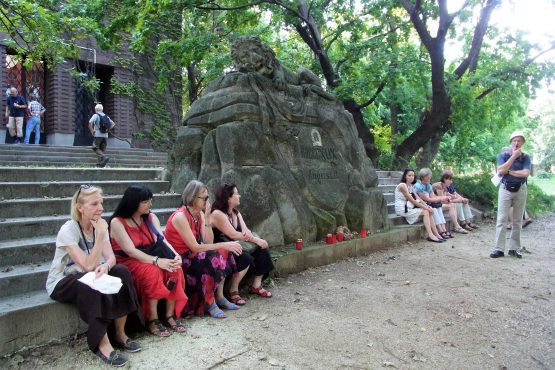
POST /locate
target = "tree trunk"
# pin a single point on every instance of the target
(192, 85)
(363, 130)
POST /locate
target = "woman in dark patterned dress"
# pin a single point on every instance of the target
(228, 224)
(205, 264)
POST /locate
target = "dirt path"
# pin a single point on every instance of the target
(417, 306)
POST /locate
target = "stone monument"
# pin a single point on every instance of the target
(289, 145)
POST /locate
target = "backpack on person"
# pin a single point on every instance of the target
(104, 124)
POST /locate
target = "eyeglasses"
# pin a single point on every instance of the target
(204, 198)
(84, 187)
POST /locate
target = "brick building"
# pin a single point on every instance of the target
(68, 105)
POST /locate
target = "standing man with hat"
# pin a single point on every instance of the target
(514, 166)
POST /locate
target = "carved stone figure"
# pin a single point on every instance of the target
(289, 145)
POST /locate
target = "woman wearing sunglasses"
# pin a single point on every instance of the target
(82, 246)
(134, 232)
(205, 264)
(228, 224)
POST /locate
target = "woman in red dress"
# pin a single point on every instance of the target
(132, 226)
(205, 264)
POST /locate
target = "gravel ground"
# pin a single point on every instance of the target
(416, 306)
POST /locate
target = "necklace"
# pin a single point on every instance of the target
(195, 220)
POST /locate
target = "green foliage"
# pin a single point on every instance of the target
(479, 189)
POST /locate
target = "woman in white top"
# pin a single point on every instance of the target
(409, 205)
(82, 246)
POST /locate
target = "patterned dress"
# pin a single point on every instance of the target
(203, 270)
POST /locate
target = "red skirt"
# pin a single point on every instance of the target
(150, 283)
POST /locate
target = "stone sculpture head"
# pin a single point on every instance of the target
(250, 54)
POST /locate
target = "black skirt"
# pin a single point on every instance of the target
(98, 310)
(259, 260)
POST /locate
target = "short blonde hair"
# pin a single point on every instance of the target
(190, 192)
(98, 108)
(79, 198)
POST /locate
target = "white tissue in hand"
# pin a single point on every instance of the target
(104, 283)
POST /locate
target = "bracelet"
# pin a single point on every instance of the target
(155, 260)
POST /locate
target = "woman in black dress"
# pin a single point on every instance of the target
(228, 224)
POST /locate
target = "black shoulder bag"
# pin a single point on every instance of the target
(158, 248)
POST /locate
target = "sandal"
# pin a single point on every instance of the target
(527, 222)
(177, 325)
(260, 291)
(224, 303)
(157, 328)
(460, 230)
(214, 311)
(236, 298)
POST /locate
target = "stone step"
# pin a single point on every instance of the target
(77, 149)
(388, 181)
(393, 174)
(17, 190)
(27, 174)
(68, 163)
(25, 251)
(389, 197)
(37, 207)
(78, 159)
(33, 318)
(387, 188)
(17, 228)
(23, 278)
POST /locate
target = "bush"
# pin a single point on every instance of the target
(483, 194)
(543, 175)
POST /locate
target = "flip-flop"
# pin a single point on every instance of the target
(214, 311)
(224, 303)
(526, 223)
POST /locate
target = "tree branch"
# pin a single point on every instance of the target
(419, 25)
(470, 63)
(373, 98)
(512, 71)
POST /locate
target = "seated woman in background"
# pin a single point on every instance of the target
(425, 192)
(228, 224)
(440, 189)
(205, 263)
(464, 213)
(132, 227)
(82, 245)
(409, 205)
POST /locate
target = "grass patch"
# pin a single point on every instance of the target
(547, 185)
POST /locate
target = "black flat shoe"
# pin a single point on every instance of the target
(497, 254)
(114, 359)
(514, 254)
(434, 241)
(129, 346)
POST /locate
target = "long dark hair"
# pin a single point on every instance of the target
(223, 193)
(404, 177)
(130, 201)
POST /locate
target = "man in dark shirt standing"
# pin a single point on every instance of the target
(514, 166)
(15, 111)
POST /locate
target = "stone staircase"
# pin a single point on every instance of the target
(77, 156)
(34, 203)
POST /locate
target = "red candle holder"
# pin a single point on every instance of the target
(339, 236)
(328, 239)
(363, 233)
(333, 239)
(299, 244)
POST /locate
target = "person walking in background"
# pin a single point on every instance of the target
(36, 111)
(99, 129)
(15, 112)
(514, 166)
